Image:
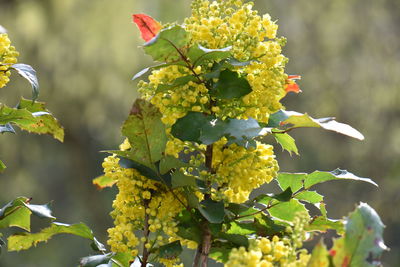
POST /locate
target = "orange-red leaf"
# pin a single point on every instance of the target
(291, 85)
(148, 27)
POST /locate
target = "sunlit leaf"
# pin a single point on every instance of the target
(16, 214)
(146, 133)
(167, 44)
(362, 243)
(319, 256)
(322, 224)
(103, 182)
(94, 261)
(292, 180)
(42, 211)
(2, 166)
(287, 120)
(310, 196)
(148, 27)
(29, 74)
(286, 211)
(338, 174)
(287, 142)
(198, 54)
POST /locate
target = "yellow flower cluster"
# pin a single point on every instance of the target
(263, 252)
(8, 56)
(267, 253)
(141, 203)
(174, 102)
(239, 170)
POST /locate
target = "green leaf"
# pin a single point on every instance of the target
(177, 82)
(189, 128)
(16, 116)
(97, 246)
(212, 210)
(44, 122)
(241, 228)
(23, 241)
(242, 210)
(319, 256)
(93, 261)
(221, 253)
(283, 196)
(122, 259)
(338, 174)
(362, 243)
(322, 224)
(178, 179)
(310, 196)
(103, 182)
(28, 73)
(159, 66)
(287, 120)
(237, 240)
(146, 171)
(2, 166)
(292, 180)
(146, 133)
(267, 226)
(16, 214)
(287, 142)
(286, 211)
(165, 46)
(171, 250)
(2, 243)
(230, 85)
(41, 211)
(199, 54)
(168, 163)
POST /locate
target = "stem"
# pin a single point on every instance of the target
(196, 259)
(146, 233)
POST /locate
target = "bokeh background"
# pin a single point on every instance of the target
(85, 52)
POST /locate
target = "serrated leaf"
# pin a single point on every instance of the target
(189, 127)
(288, 120)
(146, 133)
(310, 196)
(242, 210)
(148, 26)
(198, 54)
(338, 174)
(319, 256)
(286, 211)
(42, 211)
(178, 179)
(362, 243)
(283, 196)
(44, 122)
(103, 182)
(165, 46)
(94, 261)
(171, 250)
(287, 142)
(29, 74)
(231, 86)
(292, 180)
(168, 163)
(16, 116)
(267, 226)
(23, 241)
(241, 228)
(16, 214)
(322, 224)
(122, 259)
(212, 210)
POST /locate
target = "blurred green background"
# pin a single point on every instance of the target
(85, 52)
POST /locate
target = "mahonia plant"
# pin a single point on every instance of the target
(195, 150)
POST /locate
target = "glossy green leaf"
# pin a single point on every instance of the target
(287, 120)
(319, 256)
(230, 85)
(266, 226)
(168, 163)
(44, 122)
(199, 54)
(16, 116)
(242, 210)
(178, 179)
(146, 133)
(241, 228)
(171, 250)
(167, 44)
(23, 241)
(94, 261)
(338, 174)
(122, 259)
(189, 128)
(159, 66)
(220, 253)
(322, 224)
(29, 74)
(16, 214)
(286, 211)
(103, 182)
(41, 211)
(212, 210)
(310, 196)
(287, 142)
(292, 180)
(362, 243)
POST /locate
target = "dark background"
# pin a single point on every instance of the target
(85, 53)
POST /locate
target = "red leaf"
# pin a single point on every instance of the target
(148, 27)
(291, 85)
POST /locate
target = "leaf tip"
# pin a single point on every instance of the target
(148, 26)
